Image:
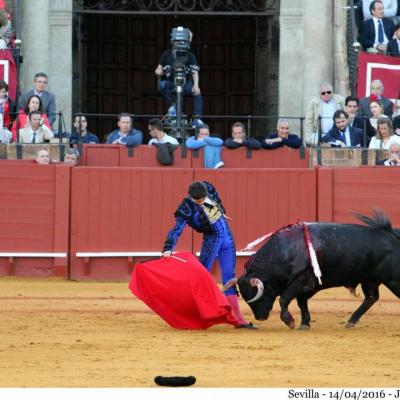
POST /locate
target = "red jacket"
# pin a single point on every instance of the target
(6, 114)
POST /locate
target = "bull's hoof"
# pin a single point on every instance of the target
(291, 324)
(304, 327)
(350, 324)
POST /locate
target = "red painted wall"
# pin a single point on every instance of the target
(34, 217)
(342, 191)
(96, 155)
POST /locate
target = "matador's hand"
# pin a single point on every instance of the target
(166, 254)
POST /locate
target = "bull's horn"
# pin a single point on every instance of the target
(260, 289)
(229, 284)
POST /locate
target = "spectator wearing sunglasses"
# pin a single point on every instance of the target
(320, 112)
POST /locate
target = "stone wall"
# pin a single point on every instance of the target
(312, 50)
(47, 46)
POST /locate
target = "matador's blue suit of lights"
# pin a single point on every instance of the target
(208, 219)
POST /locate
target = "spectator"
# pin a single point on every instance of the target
(389, 9)
(166, 74)
(48, 99)
(372, 122)
(125, 135)
(36, 132)
(34, 103)
(282, 138)
(212, 147)
(81, 134)
(71, 157)
(393, 47)
(157, 134)
(351, 107)
(5, 30)
(384, 136)
(376, 89)
(343, 135)
(394, 156)
(6, 106)
(320, 111)
(42, 157)
(238, 139)
(376, 31)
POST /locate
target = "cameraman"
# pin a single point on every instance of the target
(165, 71)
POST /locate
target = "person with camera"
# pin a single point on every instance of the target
(178, 66)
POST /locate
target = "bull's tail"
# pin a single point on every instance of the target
(380, 220)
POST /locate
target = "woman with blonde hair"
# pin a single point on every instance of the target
(384, 136)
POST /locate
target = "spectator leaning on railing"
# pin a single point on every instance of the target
(212, 147)
(238, 138)
(283, 137)
(125, 135)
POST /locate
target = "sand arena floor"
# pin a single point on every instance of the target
(57, 333)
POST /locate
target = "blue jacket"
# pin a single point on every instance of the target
(356, 137)
(188, 212)
(292, 141)
(134, 137)
(75, 138)
(212, 149)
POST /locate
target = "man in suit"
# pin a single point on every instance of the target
(376, 31)
(37, 132)
(343, 135)
(393, 47)
(394, 159)
(48, 99)
(376, 89)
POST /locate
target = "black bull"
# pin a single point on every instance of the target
(348, 255)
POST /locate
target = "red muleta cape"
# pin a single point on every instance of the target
(182, 292)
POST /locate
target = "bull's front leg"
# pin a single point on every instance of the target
(286, 317)
(302, 289)
(305, 314)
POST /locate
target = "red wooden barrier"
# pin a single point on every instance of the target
(34, 214)
(244, 158)
(342, 191)
(122, 210)
(146, 156)
(102, 155)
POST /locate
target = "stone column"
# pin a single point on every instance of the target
(291, 60)
(60, 61)
(47, 47)
(318, 47)
(35, 35)
(340, 66)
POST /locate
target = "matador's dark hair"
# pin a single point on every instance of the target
(197, 190)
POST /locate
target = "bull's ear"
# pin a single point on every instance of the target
(229, 284)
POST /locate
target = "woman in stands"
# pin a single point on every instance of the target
(376, 108)
(22, 121)
(384, 136)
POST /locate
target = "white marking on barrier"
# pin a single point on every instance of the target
(54, 255)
